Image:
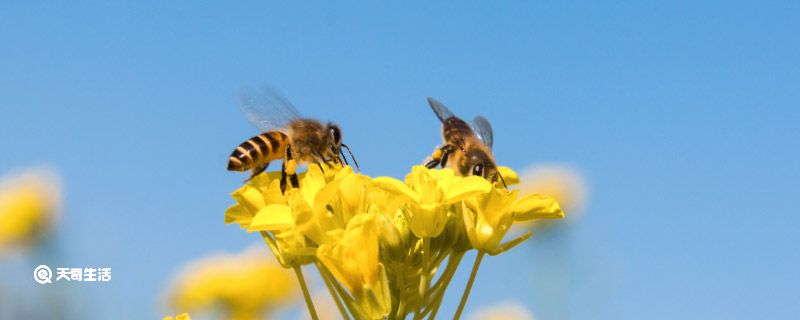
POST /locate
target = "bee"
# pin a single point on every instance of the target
(286, 136)
(467, 147)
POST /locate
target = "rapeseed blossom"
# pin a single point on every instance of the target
(379, 242)
(29, 207)
(182, 316)
(240, 286)
(561, 181)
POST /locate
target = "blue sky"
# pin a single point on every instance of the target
(682, 116)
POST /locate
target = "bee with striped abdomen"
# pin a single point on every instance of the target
(285, 135)
(467, 148)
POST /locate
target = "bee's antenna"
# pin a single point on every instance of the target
(344, 158)
(502, 180)
(351, 156)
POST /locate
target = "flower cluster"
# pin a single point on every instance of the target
(379, 242)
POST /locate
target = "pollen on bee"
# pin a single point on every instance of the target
(291, 166)
(437, 154)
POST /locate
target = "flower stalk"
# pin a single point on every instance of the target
(470, 282)
(306, 295)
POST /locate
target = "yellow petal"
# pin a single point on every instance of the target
(325, 194)
(396, 187)
(537, 207)
(249, 196)
(467, 187)
(469, 224)
(272, 217)
(353, 258)
(345, 171)
(352, 191)
(376, 298)
(237, 213)
(509, 176)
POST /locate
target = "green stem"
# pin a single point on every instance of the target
(425, 276)
(400, 284)
(332, 291)
(452, 266)
(346, 298)
(306, 294)
(469, 285)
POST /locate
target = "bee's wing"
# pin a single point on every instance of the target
(266, 108)
(440, 110)
(482, 127)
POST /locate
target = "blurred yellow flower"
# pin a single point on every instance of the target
(29, 207)
(562, 182)
(244, 286)
(182, 316)
(503, 311)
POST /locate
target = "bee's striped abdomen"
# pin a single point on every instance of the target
(258, 151)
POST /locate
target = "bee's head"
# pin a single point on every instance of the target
(335, 135)
(335, 138)
(481, 163)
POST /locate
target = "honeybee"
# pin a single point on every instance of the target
(468, 147)
(285, 135)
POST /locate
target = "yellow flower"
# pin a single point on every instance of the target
(429, 193)
(29, 206)
(258, 193)
(360, 232)
(287, 216)
(182, 316)
(353, 261)
(489, 216)
(559, 181)
(244, 285)
(333, 204)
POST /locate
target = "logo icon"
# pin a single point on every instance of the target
(42, 274)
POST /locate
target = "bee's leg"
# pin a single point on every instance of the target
(436, 158)
(446, 151)
(321, 159)
(439, 156)
(288, 174)
(443, 163)
(432, 164)
(290, 167)
(283, 177)
(336, 159)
